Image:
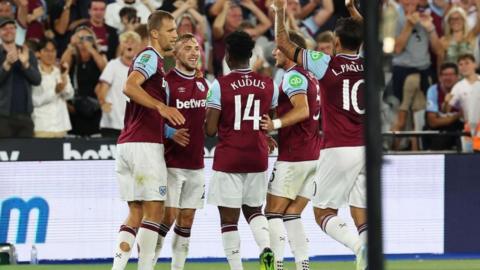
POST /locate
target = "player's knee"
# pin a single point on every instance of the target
(185, 219)
(169, 218)
(250, 212)
(135, 219)
(293, 210)
(125, 247)
(321, 214)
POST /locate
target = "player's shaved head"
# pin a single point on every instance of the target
(239, 46)
(350, 33)
(156, 19)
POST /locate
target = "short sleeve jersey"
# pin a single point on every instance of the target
(141, 123)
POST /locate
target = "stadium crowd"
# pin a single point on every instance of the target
(64, 62)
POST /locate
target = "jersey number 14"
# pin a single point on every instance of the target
(247, 116)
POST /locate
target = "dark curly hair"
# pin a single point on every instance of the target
(239, 46)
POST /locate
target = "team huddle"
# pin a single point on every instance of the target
(160, 150)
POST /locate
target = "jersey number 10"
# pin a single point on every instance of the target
(351, 97)
(246, 113)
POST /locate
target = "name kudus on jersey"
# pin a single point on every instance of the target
(349, 68)
(247, 82)
(191, 104)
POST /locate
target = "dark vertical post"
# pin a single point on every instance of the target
(373, 136)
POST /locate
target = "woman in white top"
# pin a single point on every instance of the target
(109, 89)
(50, 114)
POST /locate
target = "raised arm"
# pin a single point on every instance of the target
(217, 7)
(264, 23)
(281, 35)
(402, 39)
(61, 24)
(219, 23)
(476, 29)
(324, 13)
(352, 9)
(308, 8)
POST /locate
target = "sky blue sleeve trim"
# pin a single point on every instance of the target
(169, 131)
(214, 96)
(275, 96)
(293, 93)
(432, 100)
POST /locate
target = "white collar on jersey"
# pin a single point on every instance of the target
(242, 70)
(290, 68)
(349, 56)
(159, 54)
(185, 75)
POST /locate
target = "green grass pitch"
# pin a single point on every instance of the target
(392, 265)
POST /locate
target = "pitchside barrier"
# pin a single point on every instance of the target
(62, 196)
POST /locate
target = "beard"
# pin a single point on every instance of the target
(187, 65)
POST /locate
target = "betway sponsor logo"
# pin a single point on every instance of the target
(105, 152)
(4, 156)
(191, 104)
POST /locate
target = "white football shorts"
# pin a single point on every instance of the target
(186, 188)
(340, 178)
(141, 172)
(292, 179)
(236, 189)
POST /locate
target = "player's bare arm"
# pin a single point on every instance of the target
(135, 92)
(101, 90)
(211, 123)
(352, 9)
(298, 113)
(281, 34)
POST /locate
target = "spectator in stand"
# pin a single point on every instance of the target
(107, 36)
(437, 117)
(36, 13)
(87, 62)
(414, 32)
(50, 114)
(142, 31)
(65, 16)
(190, 21)
(129, 19)
(18, 73)
(110, 88)
(143, 8)
(7, 10)
(325, 42)
(258, 63)
(470, 8)
(458, 40)
(465, 98)
(315, 13)
(230, 20)
(437, 10)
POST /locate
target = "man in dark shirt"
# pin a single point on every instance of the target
(65, 16)
(18, 72)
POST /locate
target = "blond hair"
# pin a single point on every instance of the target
(459, 10)
(129, 35)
